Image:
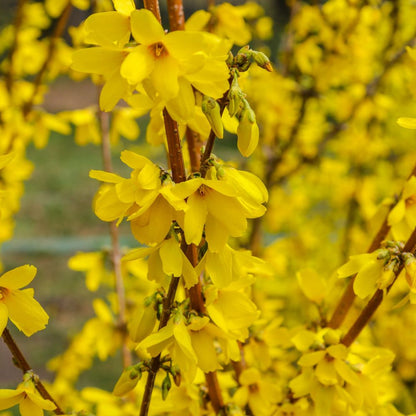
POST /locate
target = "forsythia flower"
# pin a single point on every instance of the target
(221, 206)
(257, 392)
(144, 198)
(402, 218)
(19, 305)
(29, 401)
(166, 258)
(372, 273)
(160, 61)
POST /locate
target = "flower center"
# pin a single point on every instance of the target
(158, 50)
(410, 201)
(3, 292)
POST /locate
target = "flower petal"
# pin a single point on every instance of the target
(115, 88)
(145, 27)
(165, 77)
(25, 312)
(138, 65)
(4, 317)
(171, 256)
(107, 29)
(9, 398)
(18, 277)
(97, 60)
(195, 218)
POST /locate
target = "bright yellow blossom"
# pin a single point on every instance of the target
(402, 218)
(19, 305)
(29, 401)
(146, 198)
(372, 273)
(219, 205)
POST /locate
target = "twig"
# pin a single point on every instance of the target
(22, 363)
(348, 297)
(115, 244)
(376, 300)
(194, 149)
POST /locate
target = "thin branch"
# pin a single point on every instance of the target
(376, 300)
(348, 297)
(104, 120)
(176, 15)
(153, 6)
(22, 363)
(156, 361)
(194, 149)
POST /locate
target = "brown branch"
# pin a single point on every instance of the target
(22, 363)
(176, 15)
(194, 149)
(348, 297)
(153, 6)
(376, 300)
(104, 120)
(156, 361)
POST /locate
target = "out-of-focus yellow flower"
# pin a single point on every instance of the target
(402, 218)
(19, 305)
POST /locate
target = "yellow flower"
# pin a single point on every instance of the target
(402, 218)
(163, 58)
(221, 205)
(158, 62)
(166, 258)
(176, 338)
(29, 401)
(256, 391)
(19, 305)
(227, 21)
(372, 272)
(232, 311)
(146, 198)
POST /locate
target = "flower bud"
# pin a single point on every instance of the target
(142, 325)
(247, 132)
(212, 112)
(127, 381)
(166, 385)
(262, 61)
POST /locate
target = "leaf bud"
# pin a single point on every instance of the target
(212, 112)
(166, 386)
(262, 61)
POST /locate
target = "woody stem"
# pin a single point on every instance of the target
(22, 363)
(376, 300)
(115, 244)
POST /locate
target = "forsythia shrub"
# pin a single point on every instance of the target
(280, 282)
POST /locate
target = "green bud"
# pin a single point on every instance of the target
(166, 385)
(262, 61)
(127, 381)
(212, 112)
